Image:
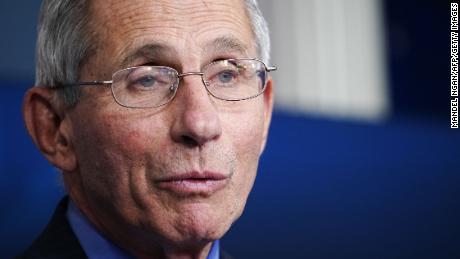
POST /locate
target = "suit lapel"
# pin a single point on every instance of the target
(57, 240)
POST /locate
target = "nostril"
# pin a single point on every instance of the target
(189, 141)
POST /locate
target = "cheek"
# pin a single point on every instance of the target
(247, 137)
(111, 147)
(123, 134)
(246, 131)
(114, 156)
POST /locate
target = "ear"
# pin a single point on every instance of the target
(268, 108)
(47, 125)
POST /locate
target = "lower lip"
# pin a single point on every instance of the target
(194, 186)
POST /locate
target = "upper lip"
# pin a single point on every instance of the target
(195, 175)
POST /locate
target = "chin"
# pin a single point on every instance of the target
(205, 222)
(198, 224)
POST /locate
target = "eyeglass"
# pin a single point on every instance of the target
(154, 86)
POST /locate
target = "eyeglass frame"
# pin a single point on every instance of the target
(179, 76)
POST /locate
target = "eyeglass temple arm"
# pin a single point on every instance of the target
(271, 69)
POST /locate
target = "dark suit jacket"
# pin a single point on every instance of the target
(58, 241)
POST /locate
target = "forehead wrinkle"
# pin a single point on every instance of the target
(169, 13)
(230, 21)
(153, 50)
(171, 20)
(127, 12)
(226, 44)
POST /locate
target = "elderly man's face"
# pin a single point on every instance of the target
(178, 174)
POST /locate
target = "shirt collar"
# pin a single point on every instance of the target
(97, 246)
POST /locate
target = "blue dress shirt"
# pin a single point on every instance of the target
(96, 246)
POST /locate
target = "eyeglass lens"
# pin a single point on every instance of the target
(153, 86)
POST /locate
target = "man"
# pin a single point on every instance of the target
(156, 113)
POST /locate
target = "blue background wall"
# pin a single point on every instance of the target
(325, 189)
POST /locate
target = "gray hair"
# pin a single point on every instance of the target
(260, 30)
(65, 41)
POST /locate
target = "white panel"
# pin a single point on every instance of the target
(330, 55)
(282, 27)
(306, 68)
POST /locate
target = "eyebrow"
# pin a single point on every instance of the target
(161, 51)
(227, 44)
(148, 51)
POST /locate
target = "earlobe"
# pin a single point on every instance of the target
(44, 120)
(268, 107)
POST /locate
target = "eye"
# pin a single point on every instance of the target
(146, 81)
(227, 76)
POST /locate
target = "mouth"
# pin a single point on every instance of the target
(194, 183)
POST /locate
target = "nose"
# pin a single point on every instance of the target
(196, 119)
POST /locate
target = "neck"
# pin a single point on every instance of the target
(141, 244)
